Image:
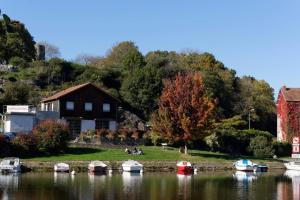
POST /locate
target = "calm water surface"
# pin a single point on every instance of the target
(166, 186)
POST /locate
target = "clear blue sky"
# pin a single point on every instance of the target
(258, 38)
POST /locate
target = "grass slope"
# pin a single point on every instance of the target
(151, 153)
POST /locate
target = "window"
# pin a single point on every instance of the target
(106, 107)
(88, 106)
(70, 105)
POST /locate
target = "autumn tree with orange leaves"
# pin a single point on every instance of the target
(185, 112)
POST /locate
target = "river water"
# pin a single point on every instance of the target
(217, 185)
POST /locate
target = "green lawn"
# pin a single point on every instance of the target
(150, 153)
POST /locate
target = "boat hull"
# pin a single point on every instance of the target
(10, 170)
(58, 168)
(292, 166)
(98, 169)
(247, 168)
(260, 168)
(186, 169)
(132, 168)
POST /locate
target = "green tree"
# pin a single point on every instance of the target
(219, 80)
(15, 93)
(142, 88)
(257, 95)
(15, 40)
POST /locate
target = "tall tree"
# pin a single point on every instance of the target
(185, 112)
(142, 88)
(256, 96)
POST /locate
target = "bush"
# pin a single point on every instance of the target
(18, 62)
(234, 141)
(282, 148)
(51, 136)
(5, 147)
(155, 138)
(261, 147)
(24, 145)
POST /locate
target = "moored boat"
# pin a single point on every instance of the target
(97, 166)
(260, 168)
(10, 165)
(184, 166)
(61, 167)
(132, 166)
(244, 165)
(292, 165)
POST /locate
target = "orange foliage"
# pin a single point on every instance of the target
(185, 112)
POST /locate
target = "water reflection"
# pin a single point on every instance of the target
(131, 182)
(214, 185)
(184, 184)
(61, 178)
(295, 176)
(8, 182)
(245, 177)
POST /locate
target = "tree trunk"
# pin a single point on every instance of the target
(185, 149)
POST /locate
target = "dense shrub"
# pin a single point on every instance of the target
(24, 145)
(51, 136)
(261, 147)
(234, 141)
(282, 148)
(5, 147)
(19, 62)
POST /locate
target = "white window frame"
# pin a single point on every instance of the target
(88, 106)
(106, 107)
(70, 105)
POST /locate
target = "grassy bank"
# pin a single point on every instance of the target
(151, 153)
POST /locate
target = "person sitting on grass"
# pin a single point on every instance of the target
(128, 151)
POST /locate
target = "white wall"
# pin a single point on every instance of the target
(19, 123)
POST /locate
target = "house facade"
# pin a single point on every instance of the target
(84, 107)
(288, 113)
(18, 118)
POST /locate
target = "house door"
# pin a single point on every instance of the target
(87, 125)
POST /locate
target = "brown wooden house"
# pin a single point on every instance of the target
(84, 107)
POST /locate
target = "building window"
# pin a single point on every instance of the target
(70, 105)
(106, 107)
(88, 106)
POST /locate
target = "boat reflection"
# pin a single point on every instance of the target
(295, 176)
(184, 184)
(131, 181)
(245, 176)
(61, 178)
(9, 180)
(95, 178)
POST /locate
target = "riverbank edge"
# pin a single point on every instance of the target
(149, 166)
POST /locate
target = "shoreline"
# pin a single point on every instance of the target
(149, 166)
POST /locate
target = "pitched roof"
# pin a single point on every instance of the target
(291, 94)
(72, 89)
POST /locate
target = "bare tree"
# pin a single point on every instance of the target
(86, 59)
(51, 51)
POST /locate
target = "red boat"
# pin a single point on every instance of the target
(184, 166)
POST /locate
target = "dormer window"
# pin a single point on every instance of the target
(70, 105)
(106, 107)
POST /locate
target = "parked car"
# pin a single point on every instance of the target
(10, 135)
